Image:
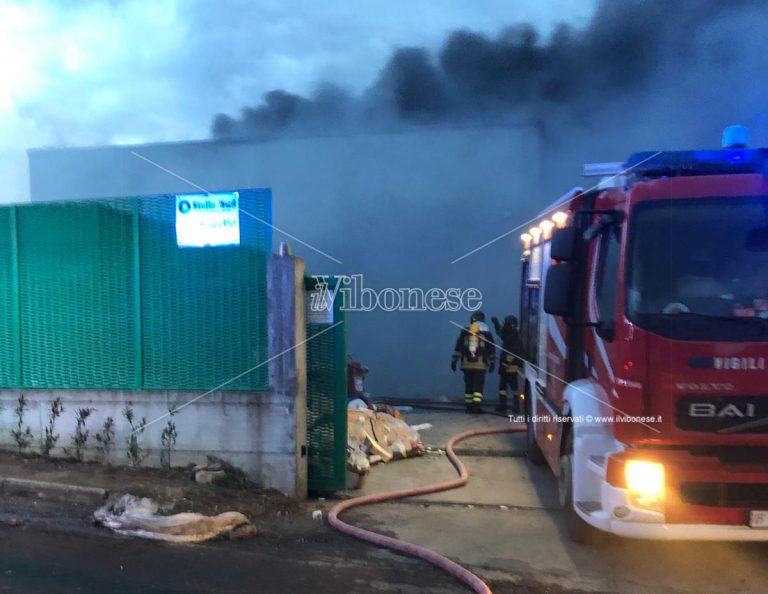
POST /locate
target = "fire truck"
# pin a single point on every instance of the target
(644, 320)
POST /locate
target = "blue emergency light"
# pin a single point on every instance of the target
(733, 158)
(688, 163)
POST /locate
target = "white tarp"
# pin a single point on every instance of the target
(134, 516)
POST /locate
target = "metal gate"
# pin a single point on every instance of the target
(326, 395)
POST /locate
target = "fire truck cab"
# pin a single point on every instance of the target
(644, 319)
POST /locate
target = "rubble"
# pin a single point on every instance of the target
(207, 477)
(219, 472)
(376, 436)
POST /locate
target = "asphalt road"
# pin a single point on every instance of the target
(34, 561)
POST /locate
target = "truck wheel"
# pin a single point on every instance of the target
(535, 455)
(578, 530)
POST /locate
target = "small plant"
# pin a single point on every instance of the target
(135, 453)
(106, 438)
(168, 439)
(51, 437)
(22, 437)
(80, 438)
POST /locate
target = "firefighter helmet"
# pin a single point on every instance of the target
(510, 322)
(477, 316)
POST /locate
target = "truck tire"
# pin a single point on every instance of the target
(535, 455)
(578, 530)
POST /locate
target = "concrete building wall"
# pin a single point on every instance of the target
(262, 433)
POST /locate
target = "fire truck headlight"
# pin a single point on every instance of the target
(645, 481)
(559, 219)
(546, 228)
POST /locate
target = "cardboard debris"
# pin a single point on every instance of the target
(378, 436)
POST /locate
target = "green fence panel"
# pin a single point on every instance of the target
(9, 301)
(327, 400)
(97, 294)
(76, 295)
(204, 310)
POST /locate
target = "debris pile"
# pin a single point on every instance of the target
(376, 436)
(137, 516)
(219, 472)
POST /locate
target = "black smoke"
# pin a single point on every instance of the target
(477, 78)
(280, 110)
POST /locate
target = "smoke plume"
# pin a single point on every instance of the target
(626, 51)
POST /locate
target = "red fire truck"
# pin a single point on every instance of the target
(644, 317)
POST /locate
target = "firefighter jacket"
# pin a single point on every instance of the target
(510, 360)
(475, 347)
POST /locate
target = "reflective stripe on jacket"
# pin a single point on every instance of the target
(475, 348)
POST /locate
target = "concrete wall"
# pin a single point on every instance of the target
(262, 433)
(288, 362)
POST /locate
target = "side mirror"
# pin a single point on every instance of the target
(609, 219)
(606, 331)
(557, 290)
(563, 246)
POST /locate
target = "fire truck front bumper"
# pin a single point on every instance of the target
(647, 524)
(675, 495)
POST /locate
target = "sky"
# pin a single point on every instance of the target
(91, 73)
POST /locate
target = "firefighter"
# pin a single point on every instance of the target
(477, 352)
(509, 364)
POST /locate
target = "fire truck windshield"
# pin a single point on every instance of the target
(697, 269)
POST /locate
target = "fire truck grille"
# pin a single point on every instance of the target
(723, 414)
(734, 454)
(748, 495)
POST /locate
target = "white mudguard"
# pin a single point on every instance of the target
(591, 437)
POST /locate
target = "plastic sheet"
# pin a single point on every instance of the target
(134, 516)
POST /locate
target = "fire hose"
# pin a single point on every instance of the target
(450, 567)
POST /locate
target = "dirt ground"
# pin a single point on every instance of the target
(175, 490)
(48, 542)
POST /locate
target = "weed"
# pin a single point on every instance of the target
(106, 438)
(168, 439)
(51, 437)
(80, 438)
(135, 453)
(22, 437)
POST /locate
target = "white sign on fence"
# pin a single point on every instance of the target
(207, 219)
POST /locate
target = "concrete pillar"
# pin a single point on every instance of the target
(288, 354)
